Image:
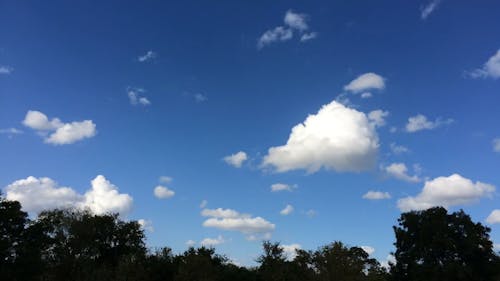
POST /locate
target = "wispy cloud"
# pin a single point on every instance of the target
(135, 96)
(6, 69)
(149, 56)
(490, 69)
(428, 9)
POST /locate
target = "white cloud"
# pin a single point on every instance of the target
(446, 191)
(366, 95)
(390, 259)
(146, 225)
(400, 171)
(496, 145)
(429, 8)
(203, 204)
(291, 250)
(420, 122)
(491, 69)
(376, 195)
(293, 22)
(364, 82)
(200, 97)
(311, 213)
(398, 149)
(377, 117)
(163, 192)
(190, 243)
(237, 159)
(282, 187)
(11, 131)
(369, 250)
(210, 242)
(62, 133)
(287, 210)
(336, 137)
(135, 96)
(38, 194)
(494, 217)
(6, 69)
(149, 56)
(165, 179)
(227, 219)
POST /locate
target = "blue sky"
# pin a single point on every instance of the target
(398, 98)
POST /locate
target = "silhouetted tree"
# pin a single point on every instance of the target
(201, 264)
(434, 245)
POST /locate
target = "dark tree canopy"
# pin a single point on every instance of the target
(434, 245)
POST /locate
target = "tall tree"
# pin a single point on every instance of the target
(434, 245)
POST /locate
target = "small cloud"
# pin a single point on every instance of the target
(491, 69)
(282, 187)
(6, 69)
(308, 36)
(427, 10)
(291, 250)
(376, 195)
(135, 96)
(10, 132)
(494, 217)
(165, 179)
(287, 210)
(366, 95)
(149, 56)
(296, 21)
(369, 250)
(237, 159)
(200, 97)
(377, 117)
(278, 34)
(210, 242)
(398, 149)
(203, 204)
(163, 192)
(420, 122)
(311, 213)
(400, 171)
(231, 220)
(496, 145)
(146, 225)
(364, 82)
(190, 243)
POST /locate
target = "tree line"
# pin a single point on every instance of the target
(78, 245)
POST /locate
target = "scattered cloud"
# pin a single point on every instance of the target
(420, 122)
(10, 132)
(291, 250)
(366, 95)
(149, 56)
(377, 117)
(365, 82)
(55, 131)
(447, 191)
(237, 159)
(210, 242)
(200, 97)
(496, 145)
(190, 243)
(203, 204)
(376, 195)
(135, 96)
(398, 149)
(311, 213)
(494, 217)
(400, 171)
(163, 192)
(146, 225)
(336, 138)
(491, 69)
(6, 69)
(165, 179)
(38, 194)
(369, 250)
(427, 10)
(282, 187)
(287, 210)
(293, 22)
(231, 220)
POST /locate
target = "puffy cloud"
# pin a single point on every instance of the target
(237, 159)
(190, 243)
(146, 225)
(282, 187)
(491, 69)
(291, 250)
(293, 22)
(446, 191)
(38, 194)
(6, 69)
(149, 56)
(494, 217)
(227, 219)
(364, 82)
(287, 210)
(163, 192)
(369, 250)
(210, 242)
(496, 145)
(420, 122)
(136, 98)
(400, 171)
(377, 117)
(55, 131)
(376, 195)
(336, 137)
(398, 149)
(429, 8)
